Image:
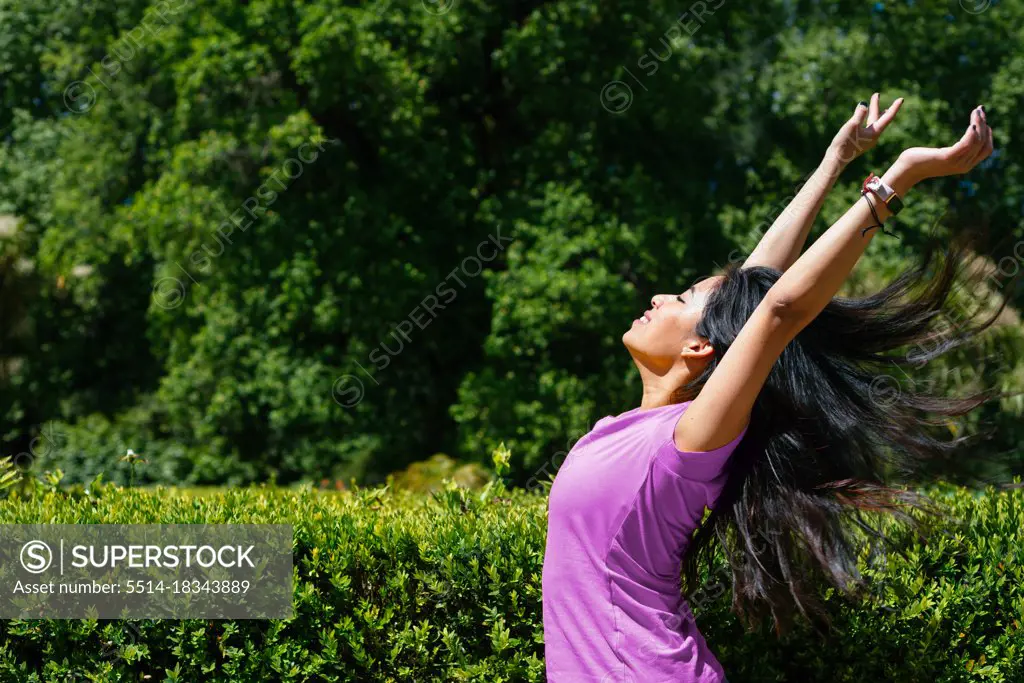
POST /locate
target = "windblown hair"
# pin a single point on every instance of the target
(832, 435)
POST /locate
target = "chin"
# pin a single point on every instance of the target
(628, 339)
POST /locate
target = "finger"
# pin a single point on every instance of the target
(980, 129)
(974, 133)
(962, 146)
(976, 148)
(976, 157)
(872, 110)
(984, 132)
(888, 115)
(976, 120)
(860, 113)
(985, 147)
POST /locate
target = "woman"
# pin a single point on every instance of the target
(757, 404)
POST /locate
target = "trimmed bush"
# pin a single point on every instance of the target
(393, 586)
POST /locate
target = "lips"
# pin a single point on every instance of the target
(645, 319)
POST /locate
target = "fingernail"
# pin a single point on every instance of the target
(862, 104)
(983, 107)
(974, 127)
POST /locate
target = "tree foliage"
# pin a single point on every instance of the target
(322, 239)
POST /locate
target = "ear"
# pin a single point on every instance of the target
(697, 348)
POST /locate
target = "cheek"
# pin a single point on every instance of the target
(692, 320)
(685, 322)
(669, 333)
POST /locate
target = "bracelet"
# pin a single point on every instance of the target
(885, 193)
(874, 214)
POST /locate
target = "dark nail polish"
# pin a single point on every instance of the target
(862, 104)
(983, 107)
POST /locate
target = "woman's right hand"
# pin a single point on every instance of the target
(855, 138)
(920, 163)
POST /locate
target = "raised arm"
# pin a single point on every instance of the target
(781, 245)
(722, 408)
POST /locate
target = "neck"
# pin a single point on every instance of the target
(654, 398)
(659, 388)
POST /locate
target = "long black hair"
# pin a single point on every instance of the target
(833, 434)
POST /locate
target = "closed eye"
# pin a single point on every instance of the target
(679, 297)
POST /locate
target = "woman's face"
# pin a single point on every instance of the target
(667, 331)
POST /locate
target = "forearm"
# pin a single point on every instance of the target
(805, 289)
(781, 245)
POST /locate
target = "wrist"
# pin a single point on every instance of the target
(881, 208)
(901, 177)
(889, 198)
(833, 162)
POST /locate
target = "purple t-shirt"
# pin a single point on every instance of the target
(622, 510)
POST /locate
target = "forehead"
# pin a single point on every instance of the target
(704, 286)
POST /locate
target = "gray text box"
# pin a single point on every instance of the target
(145, 571)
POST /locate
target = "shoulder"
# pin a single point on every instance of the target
(697, 465)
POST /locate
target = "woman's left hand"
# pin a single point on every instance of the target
(855, 138)
(934, 162)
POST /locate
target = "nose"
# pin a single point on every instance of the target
(656, 300)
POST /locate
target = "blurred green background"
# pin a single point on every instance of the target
(309, 241)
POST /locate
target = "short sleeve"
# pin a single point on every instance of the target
(696, 465)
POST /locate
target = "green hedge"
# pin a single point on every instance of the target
(393, 586)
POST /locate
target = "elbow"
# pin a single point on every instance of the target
(785, 308)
